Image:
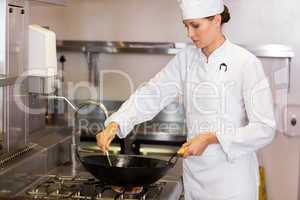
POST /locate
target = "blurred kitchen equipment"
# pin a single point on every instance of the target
(42, 67)
(89, 112)
(13, 62)
(89, 119)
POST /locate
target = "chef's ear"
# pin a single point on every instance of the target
(217, 20)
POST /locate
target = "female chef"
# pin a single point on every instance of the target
(228, 107)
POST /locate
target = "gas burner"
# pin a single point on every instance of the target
(70, 188)
(132, 190)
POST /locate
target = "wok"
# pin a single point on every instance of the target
(127, 170)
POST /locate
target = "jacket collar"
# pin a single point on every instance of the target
(216, 53)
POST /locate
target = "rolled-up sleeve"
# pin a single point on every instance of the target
(151, 98)
(257, 98)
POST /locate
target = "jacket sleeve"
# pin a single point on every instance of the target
(151, 98)
(258, 102)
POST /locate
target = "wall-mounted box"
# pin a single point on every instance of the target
(42, 52)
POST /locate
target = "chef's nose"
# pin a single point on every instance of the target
(190, 33)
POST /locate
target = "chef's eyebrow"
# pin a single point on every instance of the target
(189, 23)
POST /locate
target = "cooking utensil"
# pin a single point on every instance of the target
(107, 155)
(127, 170)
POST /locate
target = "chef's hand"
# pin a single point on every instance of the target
(198, 144)
(105, 137)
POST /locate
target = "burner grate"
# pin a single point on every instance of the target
(71, 188)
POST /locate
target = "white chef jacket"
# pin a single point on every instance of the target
(229, 94)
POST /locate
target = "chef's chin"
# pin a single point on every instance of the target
(199, 45)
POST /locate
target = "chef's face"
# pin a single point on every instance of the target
(203, 31)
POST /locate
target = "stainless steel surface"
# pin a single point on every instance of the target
(101, 105)
(6, 159)
(3, 61)
(17, 37)
(56, 142)
(75, 108)
(92, 62)
(289, 73)
(119, 47)
(42, 85)
(36, 119)
(74, 132)
(270, 50)
(50, 156)
(63, 98)
(1, 121)
(5, 81)
(22, 171)
(3, 36)
(21, 3)
(17, 123)
(54, 2)
(13, 62)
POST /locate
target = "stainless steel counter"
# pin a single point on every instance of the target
(172, 190)
(51, 155)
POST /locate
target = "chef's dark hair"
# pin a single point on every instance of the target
(225, 15)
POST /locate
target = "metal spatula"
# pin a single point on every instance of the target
(107, 155)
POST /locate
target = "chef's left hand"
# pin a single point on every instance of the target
(198, 144)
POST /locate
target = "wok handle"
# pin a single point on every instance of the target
(174, 156)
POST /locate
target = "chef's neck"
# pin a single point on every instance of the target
(216, 43)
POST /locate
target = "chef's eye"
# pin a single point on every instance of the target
(195, 26)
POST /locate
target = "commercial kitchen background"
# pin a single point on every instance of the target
(253, 22)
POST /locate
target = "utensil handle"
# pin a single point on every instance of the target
(170, 163)
(77, 154)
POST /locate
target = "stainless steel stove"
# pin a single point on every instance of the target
(53, 187)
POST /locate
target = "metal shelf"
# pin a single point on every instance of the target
(120, 47)
(272, 51)
(115, 47)
(5, 81)
(54, 2)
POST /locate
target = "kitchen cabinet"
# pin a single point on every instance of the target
(54, 2)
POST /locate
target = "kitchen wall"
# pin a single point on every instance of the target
(253, 22)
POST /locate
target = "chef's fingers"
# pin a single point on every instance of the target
(108, 143)
(102, 141)
(187, 153)
(98, 139)
(182, 150)
(185, 144)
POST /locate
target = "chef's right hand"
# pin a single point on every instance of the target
(105, 137)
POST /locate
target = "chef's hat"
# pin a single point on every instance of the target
(194, 9)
